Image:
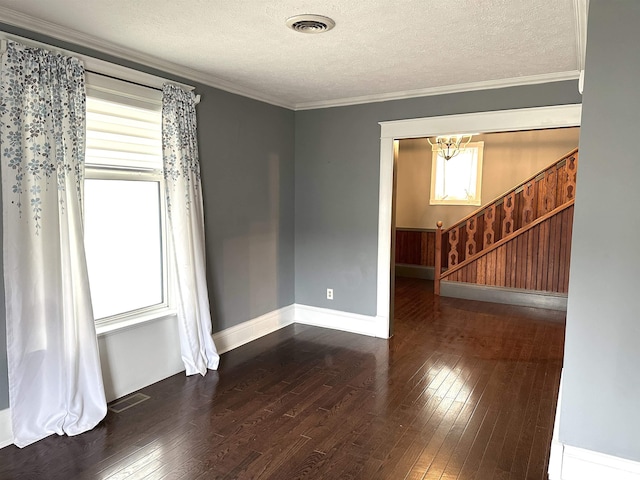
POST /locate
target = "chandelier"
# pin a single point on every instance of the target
(448, 146)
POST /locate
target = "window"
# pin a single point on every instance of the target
(124, 207)
(457, 181)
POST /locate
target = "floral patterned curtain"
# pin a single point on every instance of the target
(55, 380)
(186, 229)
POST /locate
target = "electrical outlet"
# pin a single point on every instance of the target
(329, 293)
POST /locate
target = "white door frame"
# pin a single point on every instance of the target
(482, 122)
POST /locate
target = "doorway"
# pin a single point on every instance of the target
(393, 131)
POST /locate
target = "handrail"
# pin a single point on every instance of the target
(412, 229)
(495, 201)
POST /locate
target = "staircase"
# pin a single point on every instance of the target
(520, 240)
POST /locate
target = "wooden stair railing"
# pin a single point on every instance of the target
(539, 195)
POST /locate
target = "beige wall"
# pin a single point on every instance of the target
(509, 158)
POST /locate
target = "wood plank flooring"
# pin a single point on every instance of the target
(464, 390)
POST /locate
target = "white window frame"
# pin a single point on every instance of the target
(133, 95)
(475, 200)
(151, 312)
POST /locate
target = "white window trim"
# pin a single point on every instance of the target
(477, 200)
(138, 96)
(130, 321)
(151, 312)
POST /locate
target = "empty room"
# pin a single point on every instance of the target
(322, 240)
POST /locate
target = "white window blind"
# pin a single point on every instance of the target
(123, 136)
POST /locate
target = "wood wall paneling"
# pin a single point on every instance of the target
(537, 259)
(415, 247)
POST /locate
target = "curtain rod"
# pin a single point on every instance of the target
(197, 97)
(122, 80)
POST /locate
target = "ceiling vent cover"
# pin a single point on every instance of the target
(310, 23)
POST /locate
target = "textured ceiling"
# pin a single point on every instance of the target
(377, 47)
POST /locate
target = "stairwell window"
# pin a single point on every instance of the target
(457, 181)
(124, 203)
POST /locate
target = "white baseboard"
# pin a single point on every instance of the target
(339, 320)
(557, 448)
(250, 330)
(573, 463)
(6, 433)
(555, 458)
(238, 335)
(581, 464)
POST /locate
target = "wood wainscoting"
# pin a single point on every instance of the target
(416, 246)
(415, 252)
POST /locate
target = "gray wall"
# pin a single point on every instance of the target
(248, 174)
(336, 186)
(601, 383)
(246, 155)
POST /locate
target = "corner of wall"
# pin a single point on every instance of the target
(572, 463)
(339, 320)
(238, 335)
(580, 464)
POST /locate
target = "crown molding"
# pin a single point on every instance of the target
(580, 12)
(444, 90)
(53, 30)
(43, 27)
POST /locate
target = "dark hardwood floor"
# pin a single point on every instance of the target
(464, 390)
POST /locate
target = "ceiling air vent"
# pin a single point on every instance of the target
(310, 23)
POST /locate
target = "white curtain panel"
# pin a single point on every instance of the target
(55, 381)
(186, 229)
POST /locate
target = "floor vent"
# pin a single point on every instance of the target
(128, 402)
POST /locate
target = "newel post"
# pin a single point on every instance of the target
(438, 262)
